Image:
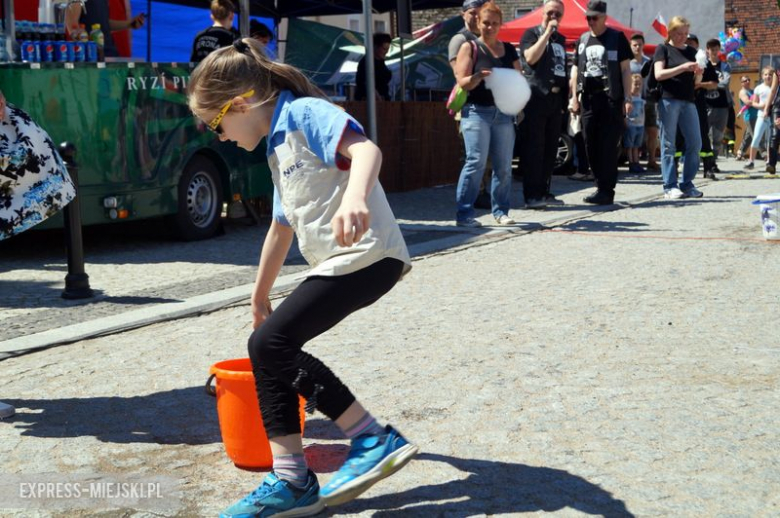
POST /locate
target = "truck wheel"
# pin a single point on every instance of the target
(200, 201)
(565, 156)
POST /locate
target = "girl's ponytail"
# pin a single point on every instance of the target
(234, 70)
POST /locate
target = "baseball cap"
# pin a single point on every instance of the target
(596, 7)
(692, 37)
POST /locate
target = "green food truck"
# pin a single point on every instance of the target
(140, 152)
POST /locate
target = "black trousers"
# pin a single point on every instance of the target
(774, 143)
(704, 130)
(706, 154)
(538, 134)
(602, 125)
(283, 370)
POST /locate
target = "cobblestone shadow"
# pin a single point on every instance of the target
(179, 416)
(495, 488)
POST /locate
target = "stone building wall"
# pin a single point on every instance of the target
(427, 17)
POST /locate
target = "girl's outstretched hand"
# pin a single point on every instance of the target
(351, 221)
(261, 309)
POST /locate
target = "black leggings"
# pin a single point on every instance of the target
(283, 370)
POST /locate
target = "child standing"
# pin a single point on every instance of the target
(326, 194)
(760, 101)
(635, 126)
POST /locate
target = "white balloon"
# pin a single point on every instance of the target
(510, 90)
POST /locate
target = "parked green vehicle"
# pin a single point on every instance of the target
(140, 152)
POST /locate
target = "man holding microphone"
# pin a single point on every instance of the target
(543, 57)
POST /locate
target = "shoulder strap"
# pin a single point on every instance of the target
(473, 44)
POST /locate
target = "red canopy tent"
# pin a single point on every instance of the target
(571, 26)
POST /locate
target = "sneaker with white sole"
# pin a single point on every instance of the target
(371, 458)
(503, 219)
(279, 498)
(673, 194)
(535, 203)
(693, 192)
(469, 223)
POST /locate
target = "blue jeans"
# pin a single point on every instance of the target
(485, 130)
(674, 114)
(762, 125)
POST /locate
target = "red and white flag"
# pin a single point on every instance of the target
(659, 24)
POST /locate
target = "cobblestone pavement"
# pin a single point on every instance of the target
(623, 363)
(138, 265)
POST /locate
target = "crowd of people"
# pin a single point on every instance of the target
(678, 100)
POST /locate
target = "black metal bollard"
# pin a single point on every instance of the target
(76, 281)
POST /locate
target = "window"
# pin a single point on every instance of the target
(380, 26)
(353, 23)
(767, 60)
(521, 12)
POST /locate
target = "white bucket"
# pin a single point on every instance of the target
(770, 214)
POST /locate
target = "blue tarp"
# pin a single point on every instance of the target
(173, 29)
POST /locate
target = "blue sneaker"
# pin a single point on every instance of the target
(277, 497)
(371, 458)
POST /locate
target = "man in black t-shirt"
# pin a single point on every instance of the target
(709, 81)
(601, 85)
(220, 34)
(718, 99)
(543, 57)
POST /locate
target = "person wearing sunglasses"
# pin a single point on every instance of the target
(327, 194)
(543, 57)
(749, 114)
(601, 87)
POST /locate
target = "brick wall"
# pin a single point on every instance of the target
(761, 21)
(422, 19)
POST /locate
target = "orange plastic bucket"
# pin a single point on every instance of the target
(243, 434)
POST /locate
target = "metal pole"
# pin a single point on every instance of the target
(370, 79)
(243, 18)
(403, 70)
(76, 281)
(10, 29)
(148, 31)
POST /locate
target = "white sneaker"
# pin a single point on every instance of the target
(503, 219)
(693, 192)
(469, 223)
(673, 194)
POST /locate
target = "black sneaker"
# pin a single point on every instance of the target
(551, 200)
(600, 198)
(535, 203)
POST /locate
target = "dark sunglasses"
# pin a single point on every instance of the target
(592, 18)
(554, 14)
(746, 80)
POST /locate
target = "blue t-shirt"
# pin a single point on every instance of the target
(323, 125)
(637, 117)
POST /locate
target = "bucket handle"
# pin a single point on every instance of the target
(210, 390)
